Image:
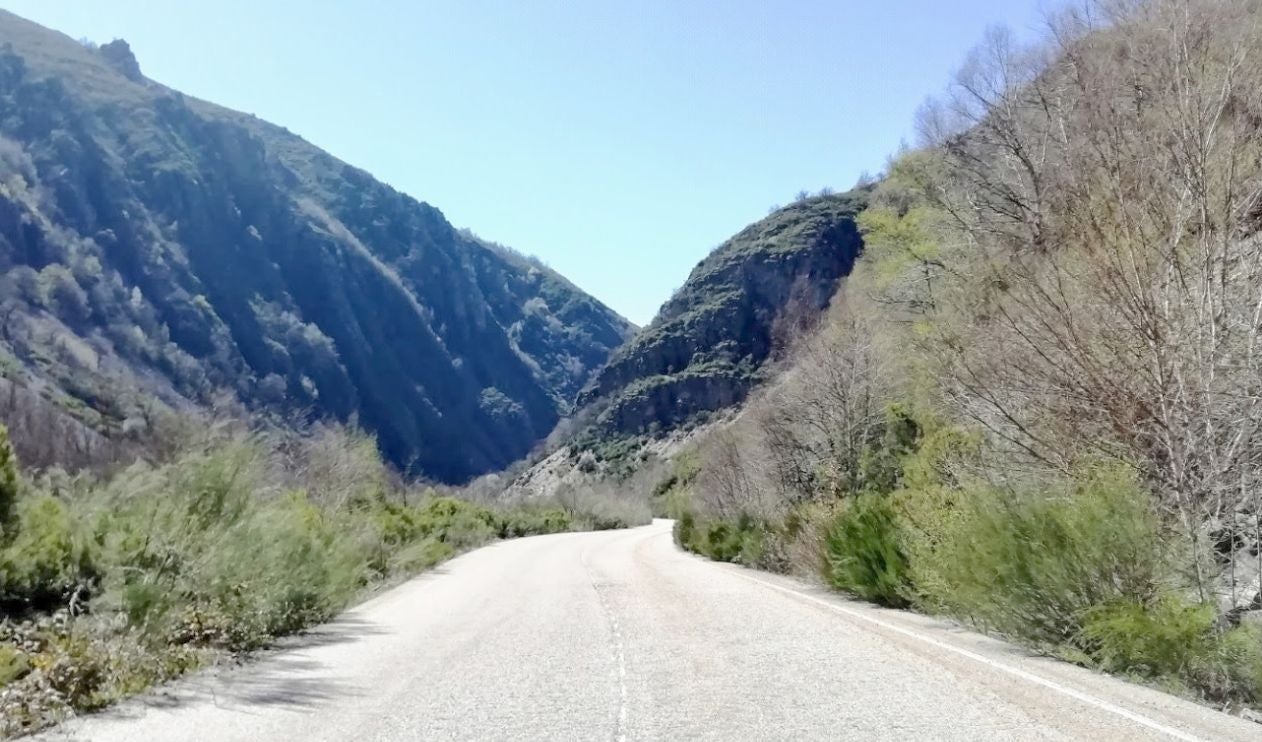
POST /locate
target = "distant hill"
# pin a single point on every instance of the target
(708, 345)
(158, 247)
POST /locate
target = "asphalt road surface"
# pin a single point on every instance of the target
(620, 636)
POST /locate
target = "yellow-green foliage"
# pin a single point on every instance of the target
(527, 521)
(285, 566)
(670, 496)
(898, 242)
(929, 506)
(740, 541)
(1032, 564)
(1178, 640)
(865, 551)
(1163, 637)
(902, 231)
(455, 522)
(52, 556)
(113, 585)
(1079, 568)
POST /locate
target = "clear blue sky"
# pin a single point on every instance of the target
(618, 141)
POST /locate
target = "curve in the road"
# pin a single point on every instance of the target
(619, 635)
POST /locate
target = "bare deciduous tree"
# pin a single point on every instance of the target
(1105, 190)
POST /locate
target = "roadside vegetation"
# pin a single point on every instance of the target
(232, 538)
(1035, 405)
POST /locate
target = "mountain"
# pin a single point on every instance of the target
(158, 247)
(708, 346)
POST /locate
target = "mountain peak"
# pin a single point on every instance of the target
(707, 346)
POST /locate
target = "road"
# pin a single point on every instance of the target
(620, 636)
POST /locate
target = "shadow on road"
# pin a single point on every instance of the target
(343, 630)
(279, 677)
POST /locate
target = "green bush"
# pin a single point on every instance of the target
(742, 541)
(459, 523)
(1034, 564)
(286, 567)
(880, 467)
(230, 543)
(774, 546)
(1175, 640)
(865, 556)
(532, 521)
(396, 524)
(685, 528)
(1165, 637)
(50, 560)
(1234, 671)
(722, 542)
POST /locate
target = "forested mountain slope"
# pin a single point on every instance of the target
(154, 246)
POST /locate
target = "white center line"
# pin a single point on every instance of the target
(616, 645)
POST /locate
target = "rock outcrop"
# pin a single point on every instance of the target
(709, 344)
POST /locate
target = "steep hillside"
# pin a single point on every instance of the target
(1035, 407)
(154, 246)
(708, 345)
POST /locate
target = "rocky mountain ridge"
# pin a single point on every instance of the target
(709, 344)
(158, 247)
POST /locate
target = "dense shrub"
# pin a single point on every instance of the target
(1081, 569)
(731, 542)
(723, 541)
(287, 566)
(455, 522)
(865, 554)
(109, 586)
(1033, 564)
(685, 529)
(1177, 640)
(1165, 637)
(530, 521)
(51, 557)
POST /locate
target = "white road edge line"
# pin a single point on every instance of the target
(622, 674)
(1015, 671)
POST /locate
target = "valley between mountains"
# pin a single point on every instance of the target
(969, 450)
